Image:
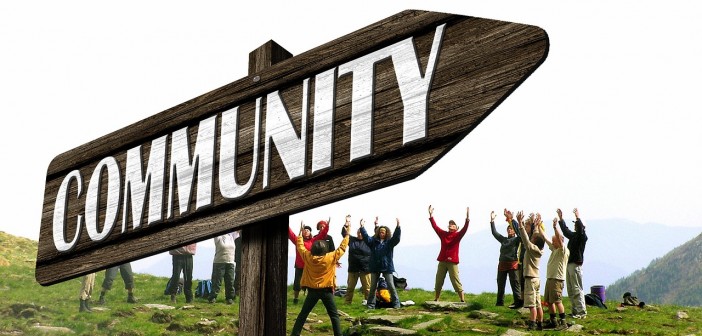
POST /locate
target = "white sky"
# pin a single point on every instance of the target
(609, 123)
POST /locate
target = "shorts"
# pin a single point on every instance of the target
(554, 290)
(532, 298)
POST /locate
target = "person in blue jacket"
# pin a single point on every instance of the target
(359, 262)
(382, 245)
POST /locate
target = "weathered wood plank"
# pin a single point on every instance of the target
(262, 309)
(480, 63)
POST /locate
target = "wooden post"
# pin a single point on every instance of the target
(262, 306)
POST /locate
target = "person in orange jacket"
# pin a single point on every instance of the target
(319, 278)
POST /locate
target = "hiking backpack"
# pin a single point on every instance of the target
(203, 289)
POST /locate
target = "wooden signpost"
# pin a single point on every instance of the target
(368, 110)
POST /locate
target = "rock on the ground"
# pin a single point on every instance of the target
(53, 329)
(512, 332)
(681, 315)
(384, 319)
(442, 305)
(390, 331)
(158, 306)
(426, 324)
(576, 328)
(483, 314)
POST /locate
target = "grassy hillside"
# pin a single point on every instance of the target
(673, 278)
(24, 305)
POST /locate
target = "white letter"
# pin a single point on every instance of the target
(92, 199)
(279, 129)
(59, 227)
(323, 133)
(135, 183)
(181, 169)
(228, 186)
(414, 89)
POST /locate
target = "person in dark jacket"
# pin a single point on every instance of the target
(508, 263)
(182, 259)
(574, 273)
(359, 260)
(382, 245)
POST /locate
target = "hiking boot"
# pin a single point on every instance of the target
(211, 300)
(499, 304)
(84, 307)
(131, 298)
(531, 325)
(551, 324)
(173, 298)
(364, 303)
(516, 305)
(101, 300)
(562, 324)
(539, 325)
(230, 301)
(188, 300)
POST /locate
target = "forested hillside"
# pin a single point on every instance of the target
(675, 277)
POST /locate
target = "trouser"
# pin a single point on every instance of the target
(314, 295)
(226, 271)
(182, 263)
(353, 278)
(513, 283)
(395, 300)
(520, 274)
(452, 270)
(574, 282)
(86, 286)
(297, 279)
(125, 270)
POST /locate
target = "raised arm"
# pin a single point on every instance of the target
(500, 238)
(292, 236)
(561, 222)
(436, 228)
(347, 226)
(395, 239)
(555, 229)
(368, 239)
(467, 223)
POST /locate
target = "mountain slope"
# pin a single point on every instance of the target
(674, 278)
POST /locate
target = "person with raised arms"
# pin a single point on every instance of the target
(448, 254)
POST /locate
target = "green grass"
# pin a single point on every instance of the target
(24, 303)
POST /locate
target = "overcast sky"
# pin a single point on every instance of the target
(609, 123)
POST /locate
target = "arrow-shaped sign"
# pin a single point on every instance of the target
(371, 109)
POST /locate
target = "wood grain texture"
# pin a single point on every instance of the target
(262, 305)
(481, 62)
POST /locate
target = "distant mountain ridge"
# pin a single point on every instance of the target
(675, 278)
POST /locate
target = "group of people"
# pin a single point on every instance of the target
(371, 257)
(520, 256)
(224, 271)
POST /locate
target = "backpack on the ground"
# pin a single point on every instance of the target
(178, 290)
(340, 292)
(629, 300)
(382, 294)
(400, 283)
(203, 289)
(594, 300)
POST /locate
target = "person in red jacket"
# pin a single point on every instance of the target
(308, 240)
(448, 255)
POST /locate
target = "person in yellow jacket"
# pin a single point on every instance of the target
(319, 278)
